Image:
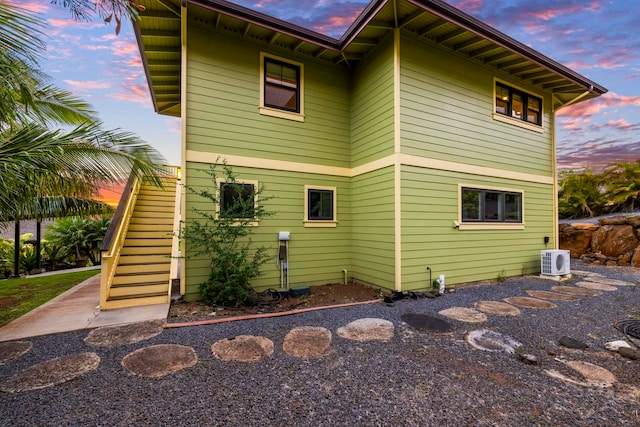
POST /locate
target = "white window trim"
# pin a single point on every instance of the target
(462, 226)
(320, 222)
(220, 181)
(513, 121)
(275, 112)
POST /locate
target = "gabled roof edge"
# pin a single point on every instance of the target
(484, 30)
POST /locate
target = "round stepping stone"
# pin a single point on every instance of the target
(597, 286)
(486, 340)
(243, 348)
(114, 336)
(426, 322)
(497, 307)
(607, 281)
(159, 360)
(552, 296)
(12, 350)
(367, 329)
(463, 314)
(52, 372)
(594, 376)
(307, 341)
(528, 302)
(572, 290)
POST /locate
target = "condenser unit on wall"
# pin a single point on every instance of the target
(555, 262)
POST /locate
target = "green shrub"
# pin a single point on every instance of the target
(222, 234)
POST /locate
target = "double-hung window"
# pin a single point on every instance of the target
(490, 206)
(281, 88)
(320, 206)
(518, 104)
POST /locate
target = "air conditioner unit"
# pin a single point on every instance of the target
(555, 262)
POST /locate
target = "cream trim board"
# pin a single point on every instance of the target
(274, 112)
(403, 159)
(318, 222)
(424, 162)
(220, 181)
(461, 225)
(513, 121)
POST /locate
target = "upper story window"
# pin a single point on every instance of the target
(281, 88)
(518, 105)
(483, 205)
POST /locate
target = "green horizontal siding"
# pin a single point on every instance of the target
(223, 95)
(373, 249)
(372, 129)
(429, 207)
(446, 114)
(316, 255)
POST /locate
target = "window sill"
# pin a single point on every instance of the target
(516, 122)
(488, 226)
(320, 224)
(281, 114)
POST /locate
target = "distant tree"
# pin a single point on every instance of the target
(106, 10)
(581, 194)
(49, 172)
(623, 185)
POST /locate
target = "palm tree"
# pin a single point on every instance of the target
(623, 184)
(107, 10)
(49, 172)
(581, 194)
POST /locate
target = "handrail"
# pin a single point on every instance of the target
(114, 240)
(117, 215)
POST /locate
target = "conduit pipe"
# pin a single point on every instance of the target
(263, 315)
(344, 271)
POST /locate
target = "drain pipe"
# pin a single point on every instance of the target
(430, 279)
(344, 271)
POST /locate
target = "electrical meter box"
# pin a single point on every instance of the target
(283, 235)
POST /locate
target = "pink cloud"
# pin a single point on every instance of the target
(594, 106)
(620, 124)
(132, 93)
(548, 14)
(36, 7)
(88, 85)
(470, 6)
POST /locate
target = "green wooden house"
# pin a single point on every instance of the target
(421, 138)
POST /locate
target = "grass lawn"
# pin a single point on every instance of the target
(18, 296)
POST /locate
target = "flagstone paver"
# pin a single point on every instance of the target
(367, 329)
(594, 376)
(573, 290)
(114, 336)
(596, 286)
(498, 308)
(487, 340)
(52, 372)
(426, 322)
(607, 281)
(529, 302)
(243, 348)
(159, 360)
(307, 341)
(12, 350)
(464, 314)
(555, 296)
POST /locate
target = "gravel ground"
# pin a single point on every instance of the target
(416, 378)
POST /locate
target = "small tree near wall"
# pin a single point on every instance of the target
(221, 232)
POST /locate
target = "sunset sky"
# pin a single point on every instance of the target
(600, 39)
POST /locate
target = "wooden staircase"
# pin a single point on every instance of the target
(142, 271)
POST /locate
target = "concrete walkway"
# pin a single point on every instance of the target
(77, 308)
